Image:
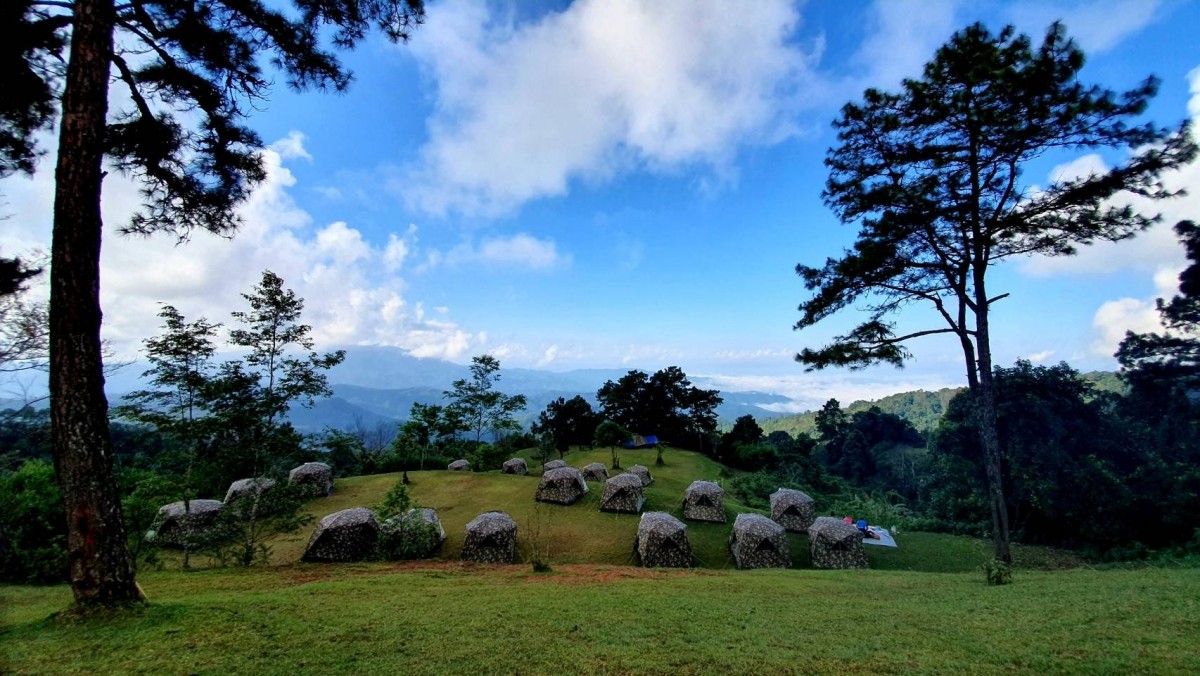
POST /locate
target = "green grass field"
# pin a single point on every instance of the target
(455, 618)
(922, 607)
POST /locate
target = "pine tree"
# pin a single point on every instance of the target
(932, 175)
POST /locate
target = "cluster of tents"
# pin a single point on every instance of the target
(755, 541)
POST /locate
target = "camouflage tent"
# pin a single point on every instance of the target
(248, 488)
(758, 542)
(704, 501)
(563, 485)
(515, 466)
(179, 524)
(836, 544)
(422, 523)
(491, 538)
(623, 494)
(644, 474)
(662, 542)
(316, 477)
(460, 465)
(348, 535)
(793, 510)
(595, 472)
(554, 464)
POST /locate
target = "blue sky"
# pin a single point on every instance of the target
(628, 184)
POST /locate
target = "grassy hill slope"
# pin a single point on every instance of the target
(581, 533)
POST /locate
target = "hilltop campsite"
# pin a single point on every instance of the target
(599, 336)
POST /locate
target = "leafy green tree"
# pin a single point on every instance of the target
(427, 426)
(345, 449)
(933, 177)
(404, 535)
(280, 356)
(180, 368)
(190, 74)
(664, 404)
(612, 435)
(479, 406)
(568, 422)
(745, 432)
(145, 491)
(831, 420)
(1068, 469)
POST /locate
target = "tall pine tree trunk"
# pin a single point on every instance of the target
(984, 393)
(100, 567)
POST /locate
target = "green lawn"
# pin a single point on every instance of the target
(922, 607)
(456, 618)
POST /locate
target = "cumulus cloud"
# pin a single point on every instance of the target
(291, 147)
(1156, 252)
(524, 110)
(516, 252)
(1040, 357)
(1097, 25)
(1116, 317)
(1152, 251)
(902, 36)
(352, 292)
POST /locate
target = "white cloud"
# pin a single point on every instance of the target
(1151, 251)
(902, 36)
(548, 356)
(351, 293)
(752, 355)
(520, 251)
(1116, 317)
(1097, 25)
(604, 86)
(396, 252)
(1040, 357)
(291, 147)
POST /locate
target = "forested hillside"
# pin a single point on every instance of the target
(922, 408)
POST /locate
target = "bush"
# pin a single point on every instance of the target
(245, 524)
(486, 457)
(755, 488)
(997, 572)
(33, 528)
(146, 492)
(404, 534)
(884, 509)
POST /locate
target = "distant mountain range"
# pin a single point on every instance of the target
(379, 385)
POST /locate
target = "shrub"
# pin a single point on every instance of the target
(244, 526)
(33, 528)
(404, 534)
(997, 572)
